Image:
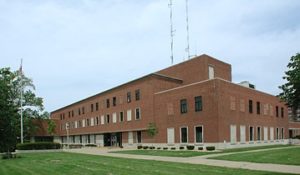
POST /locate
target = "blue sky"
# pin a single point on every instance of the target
(73, 49)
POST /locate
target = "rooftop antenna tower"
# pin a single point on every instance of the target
(171, 30)
(187, 49)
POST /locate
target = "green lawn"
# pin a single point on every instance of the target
(80, 164)
(186, 153)
(288, 156)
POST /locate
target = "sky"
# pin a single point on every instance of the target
(73, 49)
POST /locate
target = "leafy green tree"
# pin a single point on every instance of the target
(51, 127)
(291, 90)
(152, 129)
(12, 83)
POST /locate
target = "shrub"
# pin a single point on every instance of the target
(151, 147)
(296, 137)
(173, 148)
(38, 146)
(165, 148)
(72, 146)
(91, 145)
(200, 148)
(210, 148)
(121, 146)
(158, 148)
(145, 147)
(190, 147)
(181, 147)
(139, 147)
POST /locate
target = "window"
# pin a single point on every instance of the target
(128, 97)
(232, 103)
(184, 135)
(72, 113)
(242, 105)
(139, 136)
(87, 122)
(92, 107)
(258, 134)
(170, 109)
(114, 117)
(277, 133)
(211, 72)
(82, 110)
(121, 116)
(69, 114)
(137, 114)
(97, 106)
(198, 103)
(114, 101)
(277, 111)
(250, 106)
(107, 103)
(282, 133)
(97, 120)
(183, 106)
(233, 134)
(79, 111)
(258, 107)
(251, 136)
(107, 118)
(137, 95)
(199, 134)
(282, 112)
(129, 115)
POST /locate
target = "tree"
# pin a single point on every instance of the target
(152, 129)
(291, 90)
(51, 127)
(11, 84)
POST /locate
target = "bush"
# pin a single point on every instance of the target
(121, 146)
(200, 148)
(91, 145)
(38, 146)
(296, 137)
(151, 147)
(173, 148)
(139, 147)
(190, 147)
(165, 148)
(158, 148)
(210, 148)
(181, 147)
(145, 147)
(72, 146)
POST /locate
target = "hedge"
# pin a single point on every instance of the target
(190, 147)
(38, 146)
(210, 148)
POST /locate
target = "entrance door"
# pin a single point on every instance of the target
(107, 139)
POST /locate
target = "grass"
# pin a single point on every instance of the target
(80, 164)
(288, 156)
(187, 153)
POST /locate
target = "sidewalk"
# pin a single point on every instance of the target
(195, 160)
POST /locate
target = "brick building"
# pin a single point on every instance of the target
(193, 102)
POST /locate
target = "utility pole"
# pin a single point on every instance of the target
(171, 30)
(21, 102)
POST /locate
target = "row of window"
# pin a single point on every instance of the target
(198, 135)
(184, 105)
(258, 111)
(95, 107)
(94, 121)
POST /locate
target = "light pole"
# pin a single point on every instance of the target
(68, 140)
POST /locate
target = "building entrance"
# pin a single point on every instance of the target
(113, 139)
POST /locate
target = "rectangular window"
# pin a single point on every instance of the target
(87, 122)
(277, 111)
(277, 133)
(128, 97)
(242, 105)
(79, 111)
(114, 117)
(97, 106)
(184, 135)
(139, 136)
(258, 107)
(282, 133)
(232, 103)
(137, 114)
(82, 110)
(250, 106)
(97, 120)
(199, 134)
(107, 103)
(121, 116)
(183, 106)
(129, 115)
(282, 112)
(92, 107)
(242, 134)
(137, 95)
(251, 134)
(258, 134)
(198, 103)
(114, 101)
(107, 118)
(72, 113)
(69, 114)
(211, 72)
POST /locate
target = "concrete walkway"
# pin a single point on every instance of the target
(196, 160)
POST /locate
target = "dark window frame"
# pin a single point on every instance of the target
(250, 106)
(183, 106)
(114, 101)
(258, 107)
(128, 97)
(198, 104)
(137, 95)
(184, 135)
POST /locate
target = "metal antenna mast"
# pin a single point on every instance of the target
(187, 29)
(171, 31)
